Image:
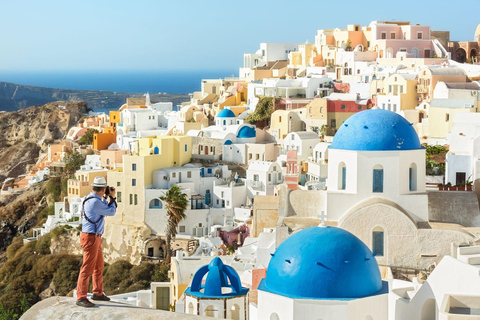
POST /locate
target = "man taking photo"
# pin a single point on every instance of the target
(99, 203)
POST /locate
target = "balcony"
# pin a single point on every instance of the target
(422, 88)
(256, 185)
(76, 183)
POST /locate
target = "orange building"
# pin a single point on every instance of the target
(102, 141)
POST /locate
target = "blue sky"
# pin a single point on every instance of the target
(69, 35)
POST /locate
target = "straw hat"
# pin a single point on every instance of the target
(99, 182)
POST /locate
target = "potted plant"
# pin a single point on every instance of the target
(453, 188)
(440, 186)
(461, 187)
(469, 185)
(449, 185)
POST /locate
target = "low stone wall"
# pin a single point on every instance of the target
(454, 207)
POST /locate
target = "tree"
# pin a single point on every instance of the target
(177, 203)
(87, 138)
(73, 161)
(263, 110)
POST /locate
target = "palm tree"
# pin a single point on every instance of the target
(177, 203)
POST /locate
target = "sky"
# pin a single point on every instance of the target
(143, 35)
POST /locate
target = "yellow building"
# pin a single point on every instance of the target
(151, 153)
(399, 93)
(282, 122)
(102, 141)
(441, 114)
(81, 185)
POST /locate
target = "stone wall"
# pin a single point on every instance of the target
(265, 213)
(207, 142)
(454, 207)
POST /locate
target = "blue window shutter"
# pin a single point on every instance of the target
(344, 178)
(410, 175)
(378, 243)
(377, 180)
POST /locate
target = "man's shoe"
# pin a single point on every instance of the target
(103, 297)
(85, 303)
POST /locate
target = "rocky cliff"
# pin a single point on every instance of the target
(25, 133)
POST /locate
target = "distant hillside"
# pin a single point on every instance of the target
(14, 97)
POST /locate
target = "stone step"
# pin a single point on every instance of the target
(469, 250)
(472, 259)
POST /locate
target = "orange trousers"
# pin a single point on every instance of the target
(92, 265)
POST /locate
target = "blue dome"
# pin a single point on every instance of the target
(246, 132)
(376, 130)
(226, 113)
(323, 263)
(218, 276)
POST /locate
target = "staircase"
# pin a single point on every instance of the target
(470, 255)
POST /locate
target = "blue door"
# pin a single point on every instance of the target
(377, 180)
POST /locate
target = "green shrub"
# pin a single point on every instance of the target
(54, 187)
(43, 244)
(58, 231)
(66, 275)
(263, 110)
(161, 273)
(144, 271)
(12, 249)
(114, 274)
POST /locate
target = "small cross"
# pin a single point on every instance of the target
(322, 216)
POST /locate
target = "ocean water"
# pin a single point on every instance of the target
(176, 82)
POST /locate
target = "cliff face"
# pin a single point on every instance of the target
(25, 133)
(15, 96)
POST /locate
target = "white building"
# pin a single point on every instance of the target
(303, 142)
(317, 173)
(376, 153)
(262, 177)
(462, 162)
(323, 273)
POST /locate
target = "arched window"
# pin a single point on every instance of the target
(412, 177)
(155, 204)
(210, 311)
(190, 308)
(377, 178)
(378, 241)
(235, 312)
(342, 176)
(274, 316)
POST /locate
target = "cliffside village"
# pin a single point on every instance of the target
(306, 178)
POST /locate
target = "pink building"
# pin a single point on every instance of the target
(112, 159)
(291, 177)
(388, 38)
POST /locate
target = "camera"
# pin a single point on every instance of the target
(108, 189)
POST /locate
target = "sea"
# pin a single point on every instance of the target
(168, 81)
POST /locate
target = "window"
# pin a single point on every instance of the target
(249, 156)
(256, 177)
(189, 174)
(209, 170)
(218, 201)
(342, 176)
(269, 177)
(384, 35)
(343, 106)
(333, 123)
(377, 242)
(222, 195)
(134, 167)
(401, 89)
(131, 198)
(134, 182)
(136, 199)
(359, 107)
(279, 176)
(447, 117)
(257, 156)
(392, 35)
(279, 119)
(174, 174)
(378, 178)
(186, 148)
(119, 196)
(412, 177)
(118, 183)
(181, 229)
(155, 204)
(419, 35)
